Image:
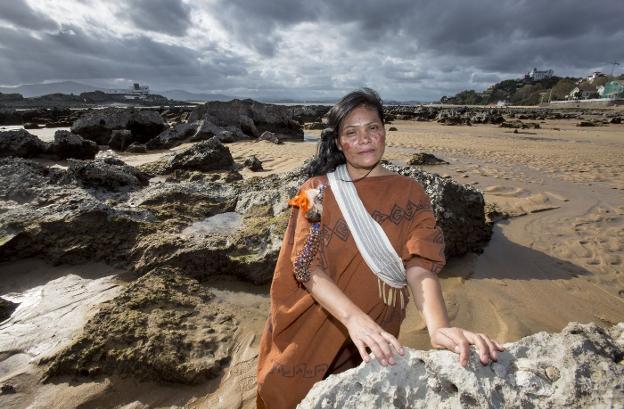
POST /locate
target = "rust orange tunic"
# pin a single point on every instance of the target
(302, 343)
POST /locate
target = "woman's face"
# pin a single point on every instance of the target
(362, 138)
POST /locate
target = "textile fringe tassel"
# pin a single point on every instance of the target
(390, 295)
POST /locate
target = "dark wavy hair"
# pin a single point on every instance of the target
(328, 156)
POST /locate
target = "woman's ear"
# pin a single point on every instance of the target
(338, 144)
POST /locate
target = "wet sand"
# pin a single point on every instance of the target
(558, 259)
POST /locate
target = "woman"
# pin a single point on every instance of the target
(329, 300)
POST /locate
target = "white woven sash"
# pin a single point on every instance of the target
(369, 236)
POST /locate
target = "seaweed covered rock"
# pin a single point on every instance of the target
(163, 327)
(580, 367)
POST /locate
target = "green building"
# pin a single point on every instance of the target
(614, 89)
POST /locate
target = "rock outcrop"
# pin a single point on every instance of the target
(459, 211)
(104, 210)
(581, 367)
(21, 143)
(163, 326)
(69, 145)
(251, 117)
(98, 125)
(106, 173)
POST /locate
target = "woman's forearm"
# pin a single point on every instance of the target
(330, 296)
(428, 297)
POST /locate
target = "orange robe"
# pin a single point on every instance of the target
(302, 343)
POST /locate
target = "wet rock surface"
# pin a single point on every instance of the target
(163, 326)
(105, 210)
(578, 368)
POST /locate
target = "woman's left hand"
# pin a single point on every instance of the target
(459, 340)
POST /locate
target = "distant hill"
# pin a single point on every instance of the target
(37, 90)
(515, 92)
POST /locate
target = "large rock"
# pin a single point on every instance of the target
(163, 327)
(581, 367)
(69, 145)
(204, 156)
(98, 125)
(251, 117)
(21, 143)
(459, 211)
(46, 213)
(172, 137)
(106, 173)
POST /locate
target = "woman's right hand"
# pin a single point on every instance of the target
(365, 332)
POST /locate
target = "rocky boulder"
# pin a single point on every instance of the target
(163, 327)
(69, 145)
(251, 117)
(107, 173)
(204, 156)
(459, 211)
(172, 137)
(45, 212)
(98, 125)
(253, 163)
(423, 158)
(581, 367)
(21, 143)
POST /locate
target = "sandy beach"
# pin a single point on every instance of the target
(557, 258)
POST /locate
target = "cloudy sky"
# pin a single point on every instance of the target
(406, 49)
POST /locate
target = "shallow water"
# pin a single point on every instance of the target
(222, 224)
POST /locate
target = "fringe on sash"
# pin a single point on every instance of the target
(390, 295)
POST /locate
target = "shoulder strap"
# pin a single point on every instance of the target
(369, 236)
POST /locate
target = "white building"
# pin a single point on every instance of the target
(537, 75)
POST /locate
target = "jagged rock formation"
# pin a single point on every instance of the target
(98, 125)
(105, 210)
(21, 143)
(251, 117)
(580, 367)
(106, 173)
(459, 211)
(163, 326)
(69, 145)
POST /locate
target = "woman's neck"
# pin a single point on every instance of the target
(361, 173)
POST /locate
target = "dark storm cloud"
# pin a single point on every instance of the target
(19, 13)
(72, 53)
(415, 49)
(508, 36)
(165, 16)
